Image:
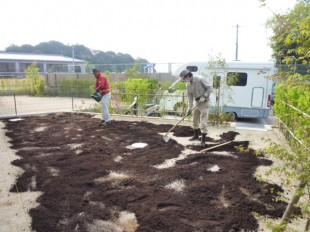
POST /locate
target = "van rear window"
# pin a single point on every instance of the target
(192, 68)
(237, 79)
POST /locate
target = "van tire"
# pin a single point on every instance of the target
(178, 109)
(233, 115)
(154, 114)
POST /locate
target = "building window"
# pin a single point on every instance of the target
(7, 67)
(77, 69)
(58, 68)
(23, 66)
(40, 66)
(237, 79)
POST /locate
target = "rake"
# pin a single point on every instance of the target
(166, 137)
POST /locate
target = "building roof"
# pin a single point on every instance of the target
(37, 57)
(238, 64)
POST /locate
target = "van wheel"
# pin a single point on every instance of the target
(178, 109)
(154, 114)
(232, 116)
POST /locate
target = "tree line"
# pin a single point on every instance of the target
(80, 52)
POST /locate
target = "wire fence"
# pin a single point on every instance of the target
(155, 105)
(290, 128)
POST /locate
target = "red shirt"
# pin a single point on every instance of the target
(102, 83)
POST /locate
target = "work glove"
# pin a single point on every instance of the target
(189, 112)
(202, 99)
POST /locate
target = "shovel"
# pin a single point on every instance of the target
(166, 137)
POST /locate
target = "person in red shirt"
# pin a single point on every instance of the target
(103, 86)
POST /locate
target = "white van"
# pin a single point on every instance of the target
(248, 97)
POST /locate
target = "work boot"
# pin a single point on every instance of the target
(195, 136)
(105, 123)
(203, 140)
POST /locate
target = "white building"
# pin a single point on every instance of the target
(15, 64)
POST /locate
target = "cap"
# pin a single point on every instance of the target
(184, 73)
(95, 70)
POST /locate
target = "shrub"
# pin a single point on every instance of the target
(35, 84)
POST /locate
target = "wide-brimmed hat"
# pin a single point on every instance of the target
(184, 73)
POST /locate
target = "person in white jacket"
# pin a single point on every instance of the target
(198, 93)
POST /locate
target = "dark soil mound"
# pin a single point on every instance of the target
(70, 158)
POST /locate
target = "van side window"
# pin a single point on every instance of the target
(192, 68)
(237, 79)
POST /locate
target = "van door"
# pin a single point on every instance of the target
(257, 97)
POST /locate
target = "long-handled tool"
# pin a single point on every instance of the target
(166, 137)
(219, 145)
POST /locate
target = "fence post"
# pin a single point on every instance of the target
(55, 80)
(72, 99)
(15, 104)
(136, 108)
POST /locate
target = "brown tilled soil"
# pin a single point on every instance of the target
(92, 179)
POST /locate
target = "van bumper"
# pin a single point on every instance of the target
(248, 112)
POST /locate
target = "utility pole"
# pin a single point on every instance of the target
(73, 62)
(236, 58)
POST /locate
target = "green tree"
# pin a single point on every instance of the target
(134, 71)
(112, 61)
(291, 44)
(291, 39)
(218, 72)
(137, 83)
(35, 84)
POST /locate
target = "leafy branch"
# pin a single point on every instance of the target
(291, 46)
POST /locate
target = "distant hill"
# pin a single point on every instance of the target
(80, 52)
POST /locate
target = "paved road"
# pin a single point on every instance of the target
(11, 106)
(262, 124)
